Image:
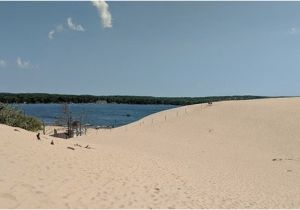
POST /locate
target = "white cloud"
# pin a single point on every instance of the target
(73, 26)
(104, 13)
(58, 29)
(25, 64)
(3, 63)
(51, 34)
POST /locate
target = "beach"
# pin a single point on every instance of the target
(230, 154)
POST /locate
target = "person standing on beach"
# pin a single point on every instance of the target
(38, 136)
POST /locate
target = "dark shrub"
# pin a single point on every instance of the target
(14, 117)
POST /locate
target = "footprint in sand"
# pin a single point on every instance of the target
(277, 159)
(39, 192)
(8, 196)
(280, 159)
(28, 186)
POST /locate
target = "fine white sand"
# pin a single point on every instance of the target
(235, 154)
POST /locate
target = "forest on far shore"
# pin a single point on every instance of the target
(33, 98)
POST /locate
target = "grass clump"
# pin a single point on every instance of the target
(13, 117)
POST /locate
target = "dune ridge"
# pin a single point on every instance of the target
(232, 154)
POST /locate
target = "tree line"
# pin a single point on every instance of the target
(62, 98)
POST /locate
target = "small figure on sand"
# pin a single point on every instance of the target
(38, 136)
(88, 147)
(55, 132)
(52, 142)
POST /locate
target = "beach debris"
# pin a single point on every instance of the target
(77, 145)
(277, 159)
(72, 148)
(289, 170)
(38, 136)
(16, 130)
(88, 147)
(52, 142)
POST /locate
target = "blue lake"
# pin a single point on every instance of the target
(94, 114)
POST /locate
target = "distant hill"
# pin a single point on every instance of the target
(61, 98)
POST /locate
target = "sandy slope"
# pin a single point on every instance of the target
(236, 154)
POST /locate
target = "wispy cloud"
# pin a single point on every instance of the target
(103, 10)
(69, 25)
(51, 34)
(58, 29)
(104, 14)
(3, 63)
(22, 64)
(73, 26)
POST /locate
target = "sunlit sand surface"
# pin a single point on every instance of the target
(235, 154)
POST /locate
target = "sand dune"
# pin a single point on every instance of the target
(235, 154)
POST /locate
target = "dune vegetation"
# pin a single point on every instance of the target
(14, 117)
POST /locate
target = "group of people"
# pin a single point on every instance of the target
(39, 138)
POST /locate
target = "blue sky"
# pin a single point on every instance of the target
(151, 48)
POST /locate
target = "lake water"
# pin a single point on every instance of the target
(94, 114)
